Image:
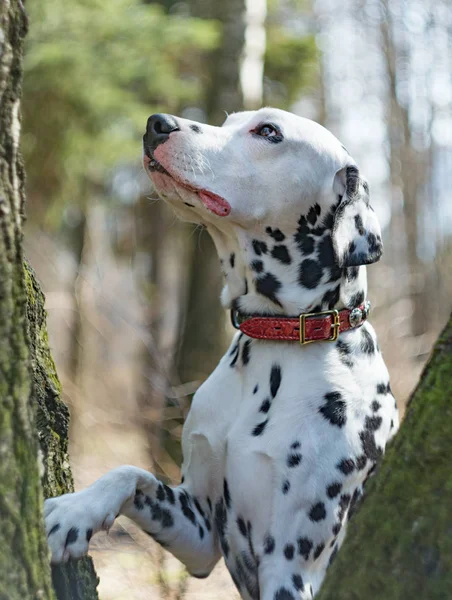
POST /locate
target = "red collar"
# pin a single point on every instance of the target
(307, 328)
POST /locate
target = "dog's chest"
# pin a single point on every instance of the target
(288, 435)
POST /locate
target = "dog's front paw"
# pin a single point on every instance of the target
(71, 520)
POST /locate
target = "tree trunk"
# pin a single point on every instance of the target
(31, 411)
(399, 544)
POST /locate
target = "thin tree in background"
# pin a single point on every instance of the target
(408, 165)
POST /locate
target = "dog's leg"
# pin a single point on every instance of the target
(173, 516)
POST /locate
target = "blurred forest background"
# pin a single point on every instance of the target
(128, 286)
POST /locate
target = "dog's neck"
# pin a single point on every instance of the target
(286, 271)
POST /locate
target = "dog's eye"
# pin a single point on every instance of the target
(266, 130)
(269, 131)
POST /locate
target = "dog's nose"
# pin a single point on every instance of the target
(158, 128)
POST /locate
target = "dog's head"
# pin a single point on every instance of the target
(277, 191)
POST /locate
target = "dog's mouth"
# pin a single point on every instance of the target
(214, 203)
(153, 165)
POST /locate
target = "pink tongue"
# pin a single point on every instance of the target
(215, 203)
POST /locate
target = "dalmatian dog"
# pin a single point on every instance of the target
(282, 436)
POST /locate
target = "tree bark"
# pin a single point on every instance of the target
(399, 544)
(33, 419)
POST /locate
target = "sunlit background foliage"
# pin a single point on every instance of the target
(132, 294)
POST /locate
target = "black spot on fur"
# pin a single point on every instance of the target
(195, 128)
(138, 500)
(297, 581)
(346, 466)
(286, 487)
(344, 353)
(283, 593)
(256, 387)
(268, 286)
(370, 448)
(317, 512)
(361, 462)
(167, 518)
(356, 496)
(54, 529)
(269, 544)
(259, 247)
(304, 547)
(293, 460)
(334, 409)
(72, 536)
(246, 352)
(328, 220)
(373, 423)
(333, 556)
(89, 534)
(220, 524)
(289, 551)
(326, 252)
(265, 406)
(352, 273)
(232, 260)
(160, 493)
(336, 528)
(313, 213)
(344, 502)
(226, 494)
(331, 298)
(198, 507)
(242, 526)
(186, 509)
(356, 300)
(334, 489)
(282, 254)
(383, 388)
(235, 352)
(359, 225)
(275, 380)
(259, 429)
(343, 348)
(318, 551)
(367, 342)
(310, 274)
(257, 265)
(303, 227)
(276, 234)
(375, 406)
(169, 494)
(306, 244)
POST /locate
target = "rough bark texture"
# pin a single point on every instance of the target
(399, 544)
(77, 580)
(31, 411)
(24, 570)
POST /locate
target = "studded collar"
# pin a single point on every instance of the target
(306, 328)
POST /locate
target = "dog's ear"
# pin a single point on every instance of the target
(356, 232)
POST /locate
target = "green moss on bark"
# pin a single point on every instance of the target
(77, 580)
(399, 544)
